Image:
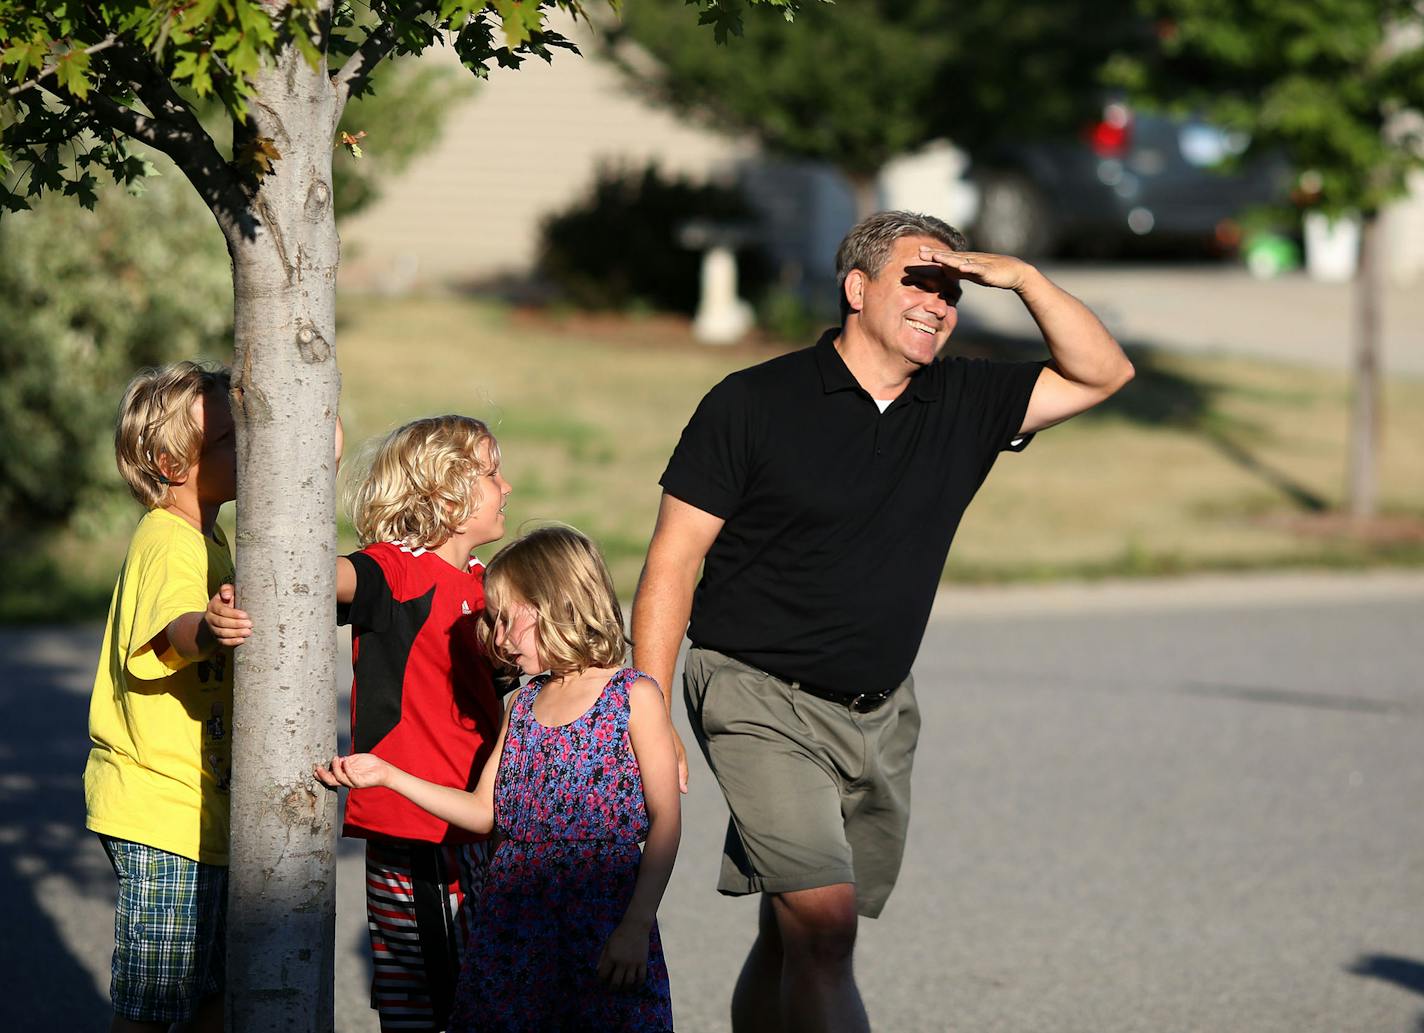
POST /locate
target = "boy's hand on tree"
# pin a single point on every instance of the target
(229, 625)
(357, 771)
(623, 964)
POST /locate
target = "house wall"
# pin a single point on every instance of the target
(526, 145)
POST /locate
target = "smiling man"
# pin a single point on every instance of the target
(822, 489)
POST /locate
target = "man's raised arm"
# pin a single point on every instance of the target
(663, 604)
(1088, 364)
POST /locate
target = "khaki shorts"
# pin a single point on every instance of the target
(818, 794)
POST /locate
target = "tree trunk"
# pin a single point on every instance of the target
(1365, 403)
(282, 890)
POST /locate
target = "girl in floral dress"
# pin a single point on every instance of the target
(565, 937)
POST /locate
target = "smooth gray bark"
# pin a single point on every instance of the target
(282, 896)
(1365, 401)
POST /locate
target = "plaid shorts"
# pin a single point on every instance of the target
(169, 932)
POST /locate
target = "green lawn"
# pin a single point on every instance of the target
(1202, 463)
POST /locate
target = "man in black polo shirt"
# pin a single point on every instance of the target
(822, 489)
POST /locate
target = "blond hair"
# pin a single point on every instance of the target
(560, 573)
(423, 481)
(156, 419)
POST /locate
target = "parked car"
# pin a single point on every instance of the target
(1131, 175)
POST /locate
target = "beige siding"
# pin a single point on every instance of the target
(527, 144)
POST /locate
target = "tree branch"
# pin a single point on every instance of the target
(118, 117)
(187, 141)
(378, 45)
(104, 44)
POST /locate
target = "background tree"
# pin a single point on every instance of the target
(90, 296)
(860, 82)
(1337, 86)
(82, 81)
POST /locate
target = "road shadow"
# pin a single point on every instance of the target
(1405, 973)
(1163, 397)
(51, 868)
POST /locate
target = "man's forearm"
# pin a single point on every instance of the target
(660, 613)
(1083, 351)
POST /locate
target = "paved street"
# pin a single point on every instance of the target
(1190, 806)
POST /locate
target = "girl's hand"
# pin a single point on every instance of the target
(358, 771)
(623, 964)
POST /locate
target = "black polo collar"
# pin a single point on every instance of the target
(836, 375)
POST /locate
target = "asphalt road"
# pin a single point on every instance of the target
(1186, 807)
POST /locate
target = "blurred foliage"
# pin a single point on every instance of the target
(89, 297)
(858, 82)
(1336, 86)
(619, 247)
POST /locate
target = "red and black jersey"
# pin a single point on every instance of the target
(423, 695)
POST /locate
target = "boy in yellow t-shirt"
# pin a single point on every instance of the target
(156, 784)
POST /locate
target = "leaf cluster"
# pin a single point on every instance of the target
(80, 80)
(1337, 86)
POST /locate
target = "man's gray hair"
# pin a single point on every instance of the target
(867, 246)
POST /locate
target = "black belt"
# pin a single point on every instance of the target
(862, 703)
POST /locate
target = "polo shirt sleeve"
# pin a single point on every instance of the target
(370, 608)
(997, 395)
(709, 466)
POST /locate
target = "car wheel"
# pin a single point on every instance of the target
(1013, 217)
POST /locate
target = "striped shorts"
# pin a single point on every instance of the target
(169, 932)
(420, 901)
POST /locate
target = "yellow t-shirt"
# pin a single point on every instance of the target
(162, 758)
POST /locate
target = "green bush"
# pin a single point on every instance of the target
(619, 248)
(89, 297)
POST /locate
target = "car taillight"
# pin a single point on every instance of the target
(1112, 137)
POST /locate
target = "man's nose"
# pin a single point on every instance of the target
(936, 305)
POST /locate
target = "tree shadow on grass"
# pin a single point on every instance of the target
(1160, 396)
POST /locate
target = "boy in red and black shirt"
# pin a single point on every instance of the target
(423, 696)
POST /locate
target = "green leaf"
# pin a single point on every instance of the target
(24, 56)
(520, 20)
(84, 187)
(73, 73)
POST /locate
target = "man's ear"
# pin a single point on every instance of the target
(855, 289)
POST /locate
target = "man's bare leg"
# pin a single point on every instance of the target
(756, 1002)
(815, 930)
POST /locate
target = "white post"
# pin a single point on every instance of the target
(722, 317)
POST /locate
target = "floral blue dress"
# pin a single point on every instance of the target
(569, 808)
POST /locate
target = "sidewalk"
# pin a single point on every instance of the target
(1221, 308)
(959, 603)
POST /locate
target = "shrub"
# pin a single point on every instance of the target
(619, 248)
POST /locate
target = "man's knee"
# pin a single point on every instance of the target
(817, 925)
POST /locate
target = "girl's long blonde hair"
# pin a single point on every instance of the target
(423, 481)
(560, 573)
